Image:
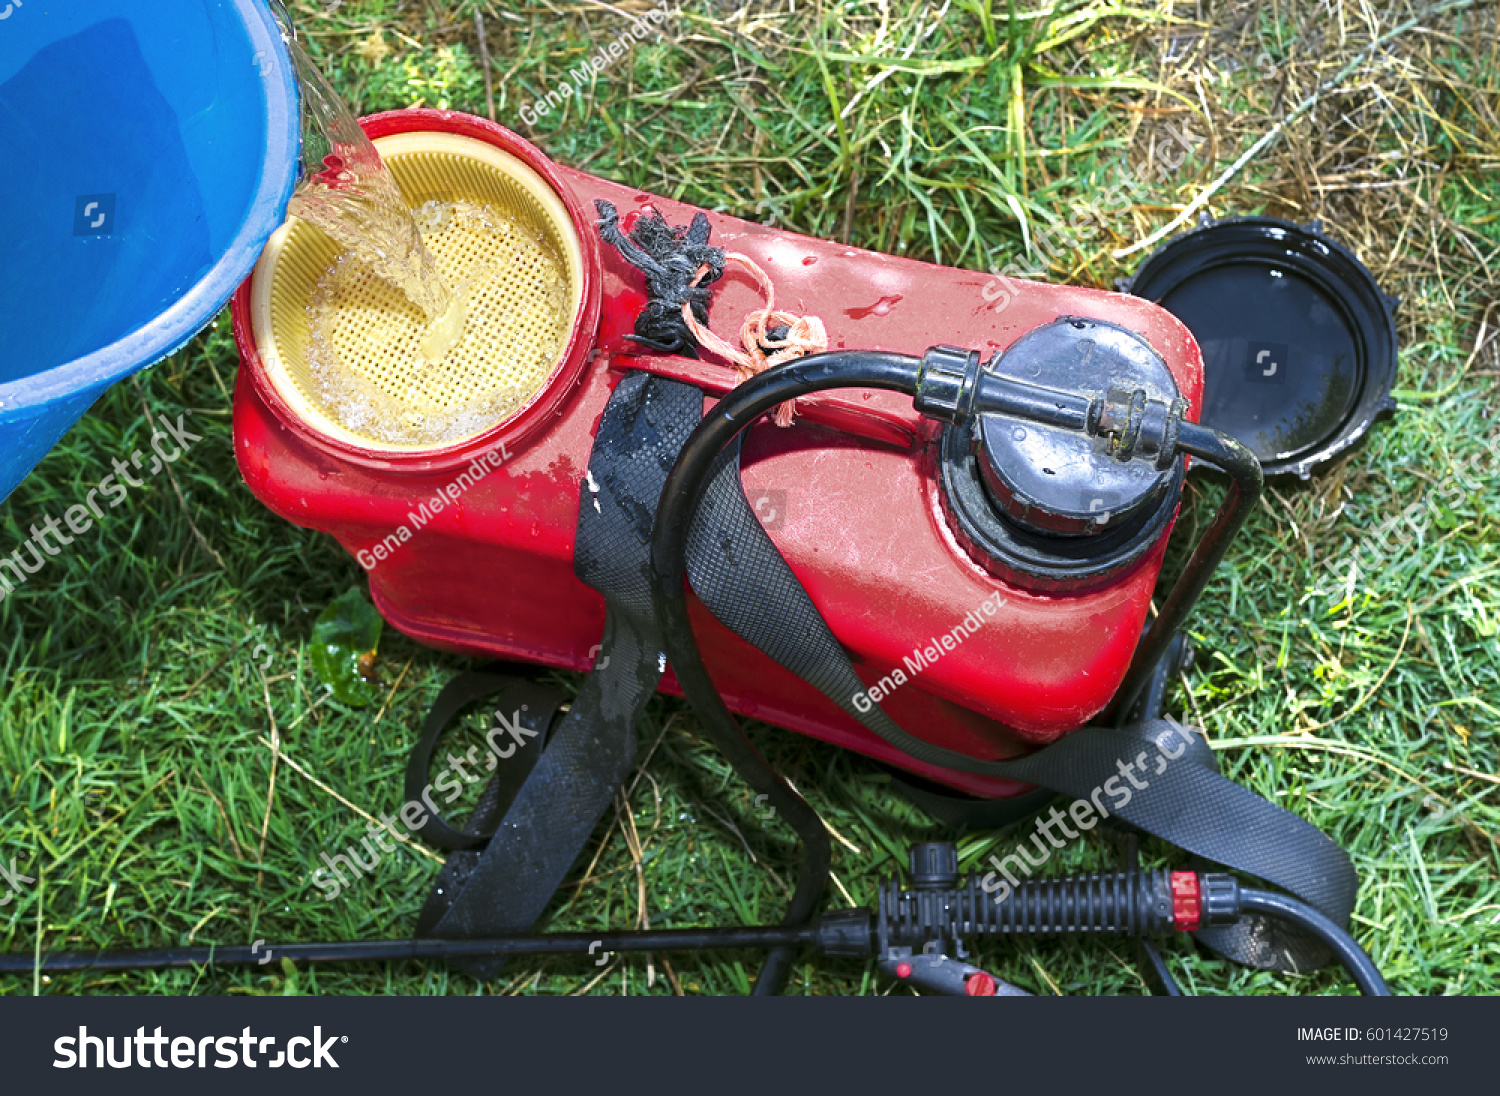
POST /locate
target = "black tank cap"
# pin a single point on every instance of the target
(1054, 481)
(1298, 341)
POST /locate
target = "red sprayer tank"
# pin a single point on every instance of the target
(850, 494)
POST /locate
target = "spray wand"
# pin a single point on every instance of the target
(909, 933)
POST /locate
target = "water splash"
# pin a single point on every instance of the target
(349, 194)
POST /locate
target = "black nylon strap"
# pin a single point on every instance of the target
(593, 750)
(737, 572)
(534, 707)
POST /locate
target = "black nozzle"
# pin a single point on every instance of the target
(934, 866)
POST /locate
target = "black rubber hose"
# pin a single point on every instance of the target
(361, 951)
(1246, 481)
(742, 405)
(674, 517)
(684, 487)
(1285, 908)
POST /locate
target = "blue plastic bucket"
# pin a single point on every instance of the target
(148, 149)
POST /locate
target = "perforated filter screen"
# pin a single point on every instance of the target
(345, 349)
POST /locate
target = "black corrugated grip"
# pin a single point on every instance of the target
(1125, 903)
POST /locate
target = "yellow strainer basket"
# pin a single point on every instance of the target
(344, 349)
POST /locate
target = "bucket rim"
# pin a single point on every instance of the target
(173, 328)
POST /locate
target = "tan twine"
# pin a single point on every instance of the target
(805, 334)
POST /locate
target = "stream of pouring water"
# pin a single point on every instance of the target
(349, 194)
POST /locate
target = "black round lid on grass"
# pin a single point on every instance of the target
(1299, 343)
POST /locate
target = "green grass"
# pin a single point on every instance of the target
(146, 666)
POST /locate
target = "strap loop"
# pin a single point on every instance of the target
(529, 705)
